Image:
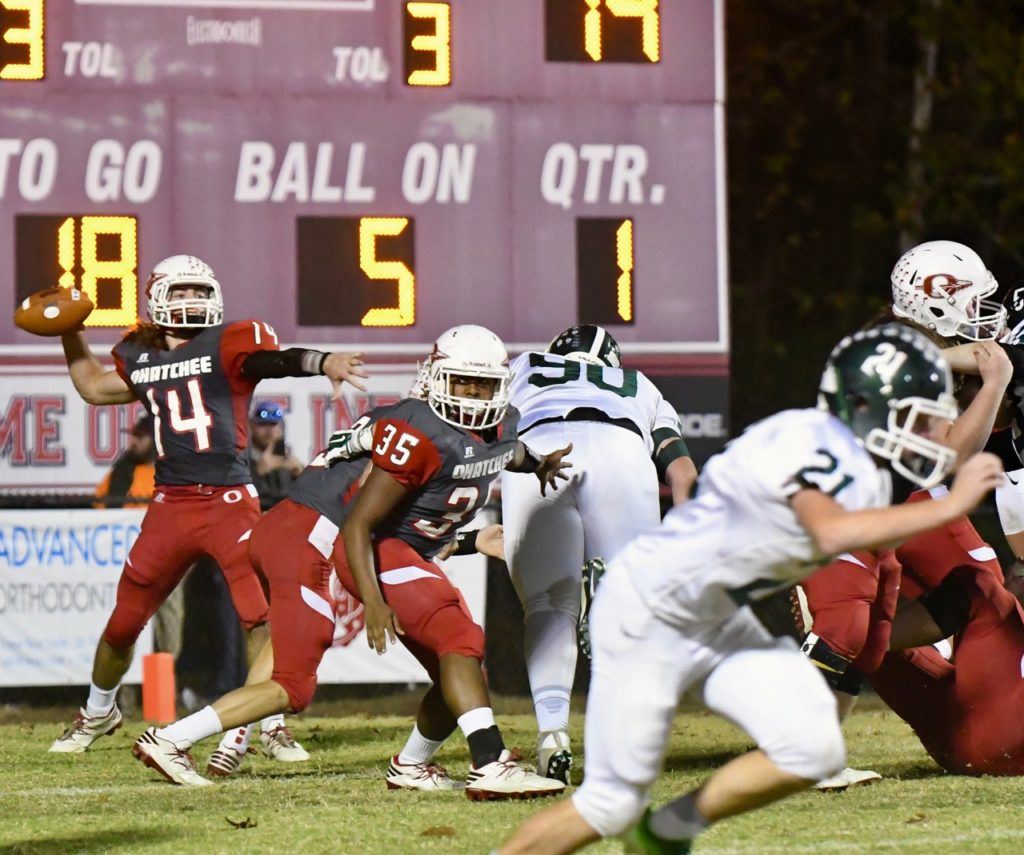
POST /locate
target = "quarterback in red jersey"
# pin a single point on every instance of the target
(433, 460)
(196, 375)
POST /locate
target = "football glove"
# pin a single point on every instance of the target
(348, 444)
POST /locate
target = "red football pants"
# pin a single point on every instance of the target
(181, 525)
(430, 609)
(290, 547)
(966, 714)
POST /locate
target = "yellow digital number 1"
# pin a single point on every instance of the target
(645, 10)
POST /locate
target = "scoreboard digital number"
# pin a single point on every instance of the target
(22, 40)
(581, 31)
(371, 169)
(97, 254)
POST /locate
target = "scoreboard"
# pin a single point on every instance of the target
(370, 172)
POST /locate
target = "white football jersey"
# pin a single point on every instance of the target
(739, 538)
(547, 386)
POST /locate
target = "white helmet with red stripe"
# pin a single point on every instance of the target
(184, 271)
(940, 285)
(464, 352)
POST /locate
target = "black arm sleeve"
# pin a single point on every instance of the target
(294, 362)
(670, 452)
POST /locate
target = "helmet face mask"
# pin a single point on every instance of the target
(587, 343)
(942, 285)
(889, 385)
(177, 273)
(904, 442)
(464, 353)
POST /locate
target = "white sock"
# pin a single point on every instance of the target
(419, 749)
(479, 719)
(271, 722)
(192, 728)
(550, 641)
(237, 739)
(101, 701)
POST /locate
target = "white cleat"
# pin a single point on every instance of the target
(85, 730)
(174, 763)
(507, 778)
(279, 744)
(848, 778)
(554, 755)
(428, 777)
(224, 762)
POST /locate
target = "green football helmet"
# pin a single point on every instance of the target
(888, 384)
(587, 343)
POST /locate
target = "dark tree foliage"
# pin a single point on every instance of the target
(823, 179)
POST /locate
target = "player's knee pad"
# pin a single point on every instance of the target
(949, 604)
(451, 630)
(809, 742)
(610, 808)
(300, 689)
(833, 666)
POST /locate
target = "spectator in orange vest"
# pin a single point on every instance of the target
(129, 483)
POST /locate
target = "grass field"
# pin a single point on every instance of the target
(104, 801)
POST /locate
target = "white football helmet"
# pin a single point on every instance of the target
(467, 351)
(940, 285)
(175, 272)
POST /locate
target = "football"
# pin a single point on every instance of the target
(54, 311)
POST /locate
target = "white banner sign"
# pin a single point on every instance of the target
(58, 585)
(50, 439)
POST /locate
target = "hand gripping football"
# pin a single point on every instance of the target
(54, 311)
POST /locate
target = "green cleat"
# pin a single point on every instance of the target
(641, 840)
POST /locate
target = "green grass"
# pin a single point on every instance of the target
(104, 801)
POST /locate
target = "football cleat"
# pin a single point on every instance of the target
(167, 758)
(428, 777)
(507, 778)
(641, 840)
(554, 755)
(85, 730)
(846, 779)
(593, 572)
(224, 762)
(279, 744)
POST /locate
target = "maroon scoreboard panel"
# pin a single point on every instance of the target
(371, 172)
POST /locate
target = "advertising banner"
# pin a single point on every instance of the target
(58, 585)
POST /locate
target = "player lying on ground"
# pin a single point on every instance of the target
(196, 376)
(938, 288)
(433, 461)
(962, 697)
(673, 609)
(625, 436)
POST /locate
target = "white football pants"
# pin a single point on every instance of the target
(641, 667)
(612, 496)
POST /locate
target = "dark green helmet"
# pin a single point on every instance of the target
(888, 384)
(588, 343)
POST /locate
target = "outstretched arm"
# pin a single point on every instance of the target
(96, 384)
(835, 530)
(548, 468)
(299, 362)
